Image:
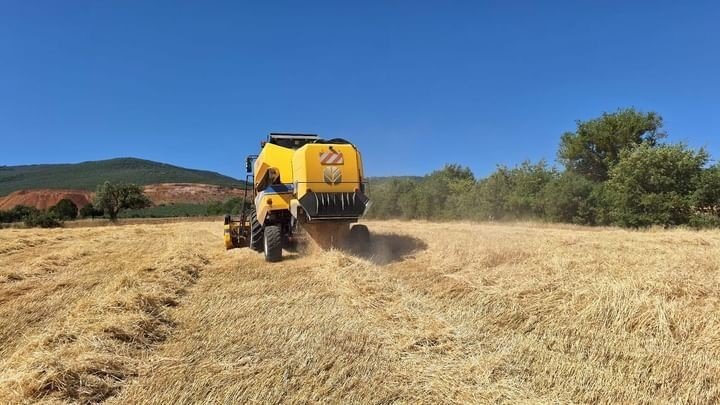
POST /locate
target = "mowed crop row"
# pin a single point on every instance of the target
(437, 313)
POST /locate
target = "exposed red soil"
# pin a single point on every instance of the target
(165, 193)
(44, 198)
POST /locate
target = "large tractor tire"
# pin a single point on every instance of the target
(273, 243)
(256, 232)
(359, 239)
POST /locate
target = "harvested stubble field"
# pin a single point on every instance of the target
(440, 313)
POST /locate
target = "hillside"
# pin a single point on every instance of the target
(44, 198)
(164, 193)
(87, 175)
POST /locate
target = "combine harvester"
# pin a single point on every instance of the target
(302, 185)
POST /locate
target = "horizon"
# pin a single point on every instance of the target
(414, 86)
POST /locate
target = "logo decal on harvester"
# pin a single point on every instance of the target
(333, 175)
(331, 158)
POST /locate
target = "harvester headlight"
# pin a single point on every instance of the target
(269, 201)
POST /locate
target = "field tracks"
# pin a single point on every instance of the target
(122, 313)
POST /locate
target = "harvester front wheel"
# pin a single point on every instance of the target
(273, 243)
(359, 238)
(256, 232)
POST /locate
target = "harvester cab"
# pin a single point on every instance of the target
(301, 184)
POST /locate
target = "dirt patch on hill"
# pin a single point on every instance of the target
(44, 198)
(168, 193)
(165, 193)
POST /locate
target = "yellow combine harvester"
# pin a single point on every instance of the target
(301, 184)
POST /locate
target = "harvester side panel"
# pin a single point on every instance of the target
(276, 157)
(273, 198)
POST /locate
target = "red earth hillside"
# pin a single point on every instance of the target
(44, 198)
(165, 193)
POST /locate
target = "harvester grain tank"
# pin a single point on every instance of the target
(301, 184)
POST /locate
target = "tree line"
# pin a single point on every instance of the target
(617, 169)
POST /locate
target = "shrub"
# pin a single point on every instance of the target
(18, 213)
(654, 185)
(88, 210)
(703, 220)
(65, 209)
(567, 198)
(43, 220)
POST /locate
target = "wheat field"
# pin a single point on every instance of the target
(437, 313)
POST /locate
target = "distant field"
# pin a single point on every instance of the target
(167, 211)
(438, 313)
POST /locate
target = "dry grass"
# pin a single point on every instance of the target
(440, 313)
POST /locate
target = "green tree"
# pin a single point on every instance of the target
(707, 195)
(215, 208)
(234, 205)
(654, 185)
(18, 213)
(65, 209)
(436, 193)
(596, 144)
(406, 202)
(569, 198)
(43, 220)
(528, 180)
(115, 197)
(493, 194)
(389, 198)
(512, 192)
(88, 210)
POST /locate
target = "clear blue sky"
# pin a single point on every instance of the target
(414, 84)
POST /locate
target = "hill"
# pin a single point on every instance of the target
(44, 198)
(87, 175)
(159, 194)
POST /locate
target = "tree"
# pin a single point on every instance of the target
(527, 183)
(88, 210)
(595, 146)
(65, 209)
(512, 192)
(391, 198)
(115, 197)
(707, 195)
(437, 192)
(654, 185)
(42, 219)
(568, 198)
(233, 205)
(215, 208)
(406, 200)
(18, 213)
(493, 194)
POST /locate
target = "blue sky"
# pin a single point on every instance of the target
(414, 84)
